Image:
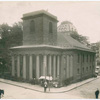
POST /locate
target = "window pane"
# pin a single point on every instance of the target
(50, 27)
(32, 26)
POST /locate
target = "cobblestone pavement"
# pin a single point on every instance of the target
(80, 90)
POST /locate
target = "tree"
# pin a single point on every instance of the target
(11, 36)
(80, 38)
(16, 34)
(96, 47)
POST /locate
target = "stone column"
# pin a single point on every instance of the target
(58, 64)
(30, 68)
(54, 67)
(71, 66)
(50, 64)
(37, 66)
(61, 76)
(13, 66)
(24, 66)
(45, 65)
(18, 66)
(68, 67)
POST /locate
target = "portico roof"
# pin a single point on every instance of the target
(37, 46)
(50, 46)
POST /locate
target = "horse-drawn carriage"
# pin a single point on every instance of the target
(1, 93)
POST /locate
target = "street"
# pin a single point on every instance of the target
(85, 91)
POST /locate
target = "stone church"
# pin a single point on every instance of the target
(46, 52)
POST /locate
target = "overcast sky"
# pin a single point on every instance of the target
(85, 15)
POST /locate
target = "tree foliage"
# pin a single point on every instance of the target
(80, 38)
(11, 36)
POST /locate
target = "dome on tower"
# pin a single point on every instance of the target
(66, 27)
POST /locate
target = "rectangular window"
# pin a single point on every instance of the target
(90, 58)
(83, 57)
(87, 58)
(78, 58)
(93, 58)
(78, 71)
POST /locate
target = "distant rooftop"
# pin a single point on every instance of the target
(66, 22)
(39, 12)
(66, 26)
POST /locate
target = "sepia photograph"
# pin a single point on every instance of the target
(49, 49)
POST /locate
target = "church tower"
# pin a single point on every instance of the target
(39, 28)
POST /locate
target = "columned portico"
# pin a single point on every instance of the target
(54, 67)
(18, 65)
(68, 68)
(13, 66)
(58, 65)
(30, 67)
(50, 63)
(44, 65)
(24, 66)
(37, 66)
(71, 66)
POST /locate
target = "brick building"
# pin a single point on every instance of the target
(46, 52)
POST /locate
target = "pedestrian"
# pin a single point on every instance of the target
(45, 86)
(97, 93)
(34, 81)
(0, 93)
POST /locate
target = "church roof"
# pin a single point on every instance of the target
(64, 42)
(67, 41)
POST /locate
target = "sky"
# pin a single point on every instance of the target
(85, 15)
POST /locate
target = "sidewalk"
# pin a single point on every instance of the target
(52, 90)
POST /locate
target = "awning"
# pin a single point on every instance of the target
(47, 77)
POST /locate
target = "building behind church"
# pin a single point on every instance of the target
(46, 52)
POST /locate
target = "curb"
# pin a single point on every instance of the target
(49, 92)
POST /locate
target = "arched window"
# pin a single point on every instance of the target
(50, 27)
(32, 26)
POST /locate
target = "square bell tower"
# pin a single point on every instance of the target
(39, 28)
